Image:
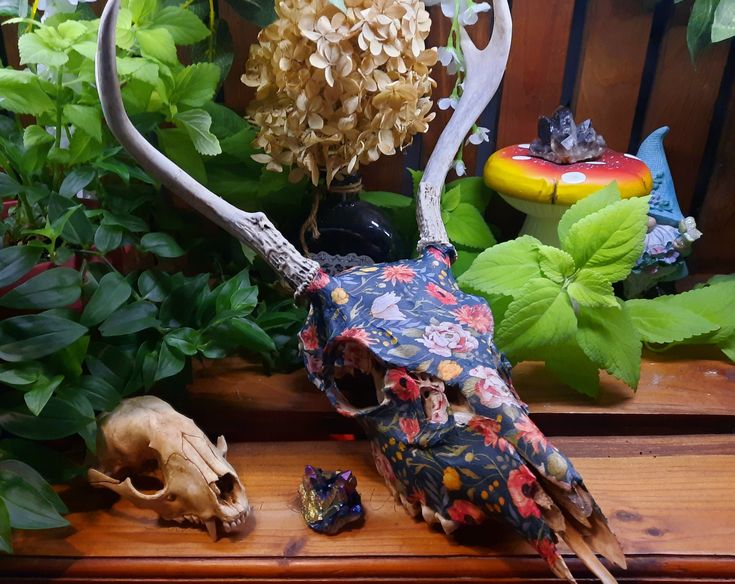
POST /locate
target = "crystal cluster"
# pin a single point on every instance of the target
(562, 141)
(335, 89)
(329, 500)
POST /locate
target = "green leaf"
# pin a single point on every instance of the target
(130, 319)
(86, 117)
(17, 8)
(109, 363)
(568, 363)
(57, 420)
(161, 244)
(125, 220)
(195, 85)
(611, 240)
(138, 68)
(386, 200)
(727, 346)
(177, 145)
(661, 322)
(196, 123)
(36, 335)
(16, 262)
(244, 333)
(587, 206)
(170, 362)
(53, 288)
(21, 374)
(723, 26)
(473, 191)
(154, 285)
(467, 227)
(504, 268)
(451, 199)
(112, 292)
(38, 395)
(540, 315)
(76, 180)
(6, 536)
(35, 135)
(157, 44)
(101, 395)
(184, 26)
(607, 336)
(33, 49)
(185, 340)
(77, 228)
(592, 290)
(556, 264)
(33, 479)
(27, 507)
(21, 93)
(54, 466)
(699, 30)
(107, 238)
(465, 258)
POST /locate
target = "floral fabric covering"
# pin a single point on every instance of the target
(411, 318)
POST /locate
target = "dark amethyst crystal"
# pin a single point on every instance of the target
(329, 500)
(562, 141)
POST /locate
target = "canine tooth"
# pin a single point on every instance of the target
(211, 525)
(429, 515)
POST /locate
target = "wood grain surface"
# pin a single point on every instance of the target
(672, 521)
(615, 45)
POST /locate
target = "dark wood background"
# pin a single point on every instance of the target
(618, 62)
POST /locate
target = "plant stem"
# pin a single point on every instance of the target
(59, 119)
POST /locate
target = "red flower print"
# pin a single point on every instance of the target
(490, 430)
(356, 334)
(309, 339)
(410, 427)
(382, 464)
(398, 273)
(402, 384)
(441, 294)
(440, 255)
(417, 496)
(320, 281)
(547, 550)
(465, 512)
(521, 485)
(529, 432)
(477, 316)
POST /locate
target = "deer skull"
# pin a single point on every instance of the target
(146, 436)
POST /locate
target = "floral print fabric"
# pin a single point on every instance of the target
(412, 319)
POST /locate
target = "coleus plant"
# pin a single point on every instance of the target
(558, 305)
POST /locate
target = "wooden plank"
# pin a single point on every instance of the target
(615, 45)
(683, 97)
(689, 388)
(715, 252)
(664, 525)
(535, 75)
(244, 33)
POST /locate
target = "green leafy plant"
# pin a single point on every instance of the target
(558, 305)
(463, 206)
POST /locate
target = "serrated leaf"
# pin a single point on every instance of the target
(473, 191)
(592, 290)
(556, 264)
(727, 346)
(386, 200)
(196, 123)
(112, 292)
(586, 206)
(466, 226)
(662, 322)
(504, 268)
(21, 93)
(611, 240)
(451, 199)
(53, 288)
(86, 117)
(607, 336)
(177, 145)
(568, 363)
(195, 85)
(34, 50)
(184, 26)
(157, 44)
(540, 315)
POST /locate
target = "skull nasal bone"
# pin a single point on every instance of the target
(226, 486)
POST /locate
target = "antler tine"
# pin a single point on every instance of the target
(254, 229)
(484, 71)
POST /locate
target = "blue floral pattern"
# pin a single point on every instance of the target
(412, 319)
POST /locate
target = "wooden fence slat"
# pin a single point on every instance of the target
(715, 252)
(535, 75)
(683, 97)
(244, 33)
(615, 45)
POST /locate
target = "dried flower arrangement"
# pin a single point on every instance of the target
(339, 84)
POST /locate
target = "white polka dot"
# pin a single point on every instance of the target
(573, 178)
(596, 163)
(524, 146)
(521, 158)
(631, 156)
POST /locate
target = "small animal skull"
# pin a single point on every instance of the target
(146, 436)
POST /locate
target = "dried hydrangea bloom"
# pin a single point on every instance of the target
(335, 90)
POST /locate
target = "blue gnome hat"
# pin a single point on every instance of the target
(664, 206)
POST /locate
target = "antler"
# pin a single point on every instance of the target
(484, 70)
(254, 229)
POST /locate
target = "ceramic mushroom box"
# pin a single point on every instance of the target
(566, 163)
